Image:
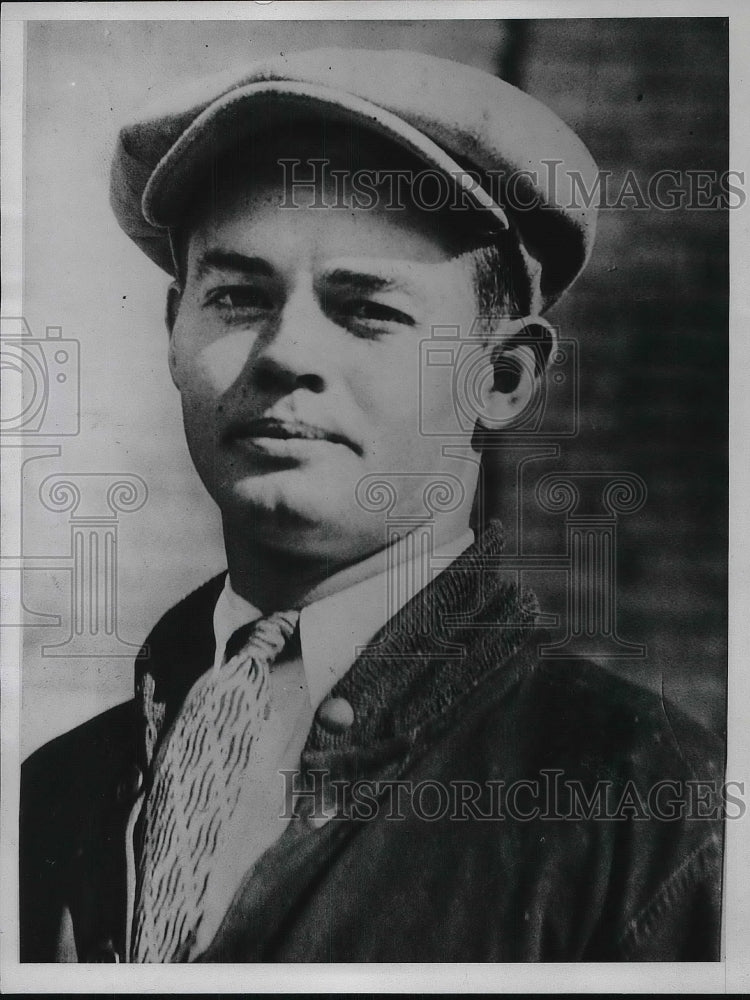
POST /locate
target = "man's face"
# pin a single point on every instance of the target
(296, 349)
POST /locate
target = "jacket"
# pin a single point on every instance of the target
(488, 804)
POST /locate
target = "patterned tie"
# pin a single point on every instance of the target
(198, 776)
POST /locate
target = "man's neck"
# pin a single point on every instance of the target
(271, 579)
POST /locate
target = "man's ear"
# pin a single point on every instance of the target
(174, 297)
(519, 353)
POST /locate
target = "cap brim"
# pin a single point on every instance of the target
(273, 103)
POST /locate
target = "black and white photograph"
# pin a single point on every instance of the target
(366, 520)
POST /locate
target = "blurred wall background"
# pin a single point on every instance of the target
(649, 315)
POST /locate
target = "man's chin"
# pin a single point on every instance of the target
(302, 516)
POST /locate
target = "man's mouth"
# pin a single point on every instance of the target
(272, 429)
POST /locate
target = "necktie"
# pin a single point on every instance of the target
(197, 779)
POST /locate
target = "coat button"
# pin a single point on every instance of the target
(336, 714)
(130, 784)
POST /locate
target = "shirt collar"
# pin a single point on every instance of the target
(335, 628)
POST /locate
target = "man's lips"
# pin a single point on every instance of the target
(285, 430)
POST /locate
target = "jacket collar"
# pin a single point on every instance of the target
(432, 652)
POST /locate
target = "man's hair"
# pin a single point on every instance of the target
(493, 277)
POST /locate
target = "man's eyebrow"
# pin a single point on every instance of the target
(230, 260)
(364, 281)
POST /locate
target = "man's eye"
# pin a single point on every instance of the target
(240, 299)
(371, 314)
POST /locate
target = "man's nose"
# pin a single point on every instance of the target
(295, 350)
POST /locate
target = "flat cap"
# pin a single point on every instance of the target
(512, 157)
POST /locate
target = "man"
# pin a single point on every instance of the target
(336, 750)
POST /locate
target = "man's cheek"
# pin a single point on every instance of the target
(210, 360)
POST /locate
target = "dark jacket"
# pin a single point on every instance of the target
(473, 857)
